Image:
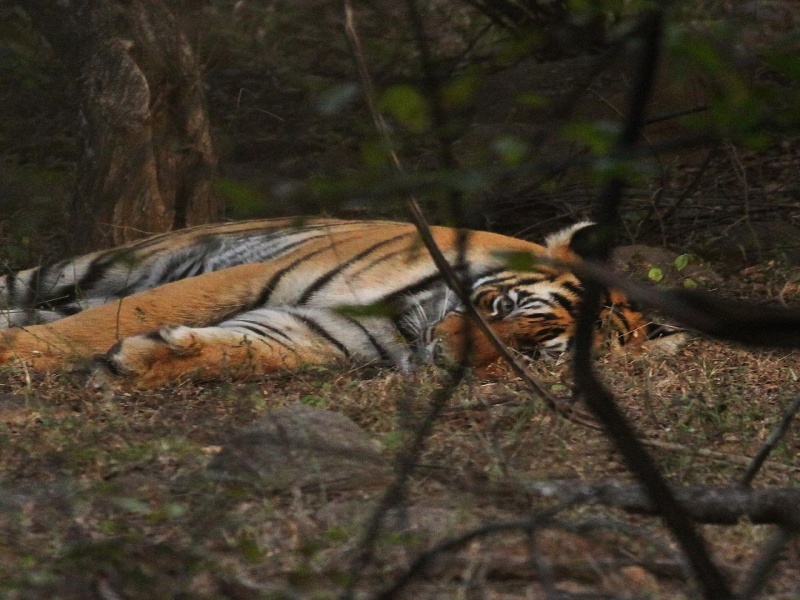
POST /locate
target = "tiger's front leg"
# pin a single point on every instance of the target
(255, 343)
(194, 302)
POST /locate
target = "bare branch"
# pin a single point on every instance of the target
(769, 444)
(704, 504)
(588, 386)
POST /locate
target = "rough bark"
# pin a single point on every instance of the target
(148, 156)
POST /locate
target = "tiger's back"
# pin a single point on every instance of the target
(51, 292)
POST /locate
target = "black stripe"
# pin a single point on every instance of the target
(491, 278)
(549, 333)
(11, 286)
(626, 325)
(263, 333)
(381, 259)
(265, 327)
(288, 247)
(548, 316)
(68, 309)
(34, 280)
(323, 280)
(476, 298)
(269, 288)
(382, 352)
(315, 327)
(191, 269)
(564, 302)
(575, 288)
(428, 281)
(94, 273)
(532, 280)
(253, 329)
(411, 289)
(409, 334)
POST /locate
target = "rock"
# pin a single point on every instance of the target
(301, 447)
(751, 243)
(638, 259)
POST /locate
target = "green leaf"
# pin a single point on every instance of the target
(460, 92)
(511, 149)
(681, 261)
(655, 274)
(315, 401)
(599, 136)
(244, 200)
(518, 261)
(689, 283)
(532, 100)
(786, 63)
(407, 106)
(250, 548)
(375, 153)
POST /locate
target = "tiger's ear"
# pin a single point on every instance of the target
(571, 242)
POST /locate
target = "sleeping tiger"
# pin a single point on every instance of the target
(242, 299)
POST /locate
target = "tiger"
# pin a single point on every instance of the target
(243, 299)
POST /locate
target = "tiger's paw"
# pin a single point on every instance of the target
(160, 357)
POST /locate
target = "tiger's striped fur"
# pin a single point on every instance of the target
(262, 296)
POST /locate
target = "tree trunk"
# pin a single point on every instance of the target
(148, 158)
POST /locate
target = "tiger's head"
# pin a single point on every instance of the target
(535, 312)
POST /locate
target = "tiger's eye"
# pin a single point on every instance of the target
(502, 306)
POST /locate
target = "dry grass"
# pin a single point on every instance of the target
(110, 493)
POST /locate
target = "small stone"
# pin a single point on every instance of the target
(301, 447)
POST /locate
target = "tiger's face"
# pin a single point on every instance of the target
(534, 314)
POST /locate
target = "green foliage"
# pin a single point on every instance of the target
(599, 136)
(655, 274)
(315, 401)
(460, 91)
(408, 107)
(243, 200)
(681, 261)
(519, 261)
(511, 149)
(754, 110)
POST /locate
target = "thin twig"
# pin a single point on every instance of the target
(758, 576)
(769, 444)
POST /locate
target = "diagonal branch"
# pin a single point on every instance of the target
(447, 271)
(598, 399)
